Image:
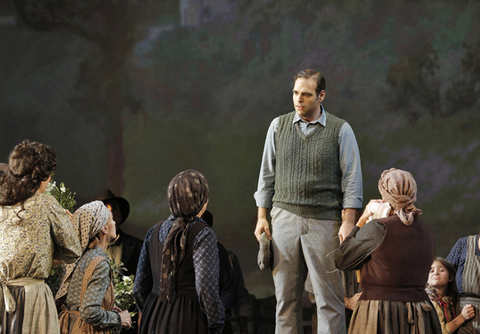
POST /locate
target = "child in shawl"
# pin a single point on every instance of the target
(443, 293)
(176, 288)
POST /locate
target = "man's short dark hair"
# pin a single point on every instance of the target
(315, 75)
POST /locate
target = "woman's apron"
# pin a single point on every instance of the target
(71, 322)
(471, 287)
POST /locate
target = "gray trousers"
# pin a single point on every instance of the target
(302, 245)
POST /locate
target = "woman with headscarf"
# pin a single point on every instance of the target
(394, 255)
(176, 288)
(33, 228)
(86, 292)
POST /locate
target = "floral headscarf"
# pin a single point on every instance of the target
(398, 187)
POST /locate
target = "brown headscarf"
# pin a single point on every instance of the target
(187, 194)
(90, 218)
(398, 187)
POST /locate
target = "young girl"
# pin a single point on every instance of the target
(443, 293)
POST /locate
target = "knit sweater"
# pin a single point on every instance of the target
(308, 176)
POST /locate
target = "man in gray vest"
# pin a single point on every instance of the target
(310, 177)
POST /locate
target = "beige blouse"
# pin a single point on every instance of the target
(29, 238)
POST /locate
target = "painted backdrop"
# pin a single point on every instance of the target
(132, 92)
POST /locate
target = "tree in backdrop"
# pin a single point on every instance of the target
(103, 89)
(465, 91)
(434, 75)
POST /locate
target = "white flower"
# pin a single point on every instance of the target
(50, 187)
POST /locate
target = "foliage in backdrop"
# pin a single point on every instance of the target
(406, 76)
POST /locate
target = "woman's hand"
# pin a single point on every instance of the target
(69, 214)
(351, 302)
(125, 317)
(363, 218)
(468, 312)
(367, 213)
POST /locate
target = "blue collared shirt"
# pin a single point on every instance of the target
(350, 165)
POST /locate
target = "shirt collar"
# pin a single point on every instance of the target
(322, 119)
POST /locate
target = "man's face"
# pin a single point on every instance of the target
(305, 100)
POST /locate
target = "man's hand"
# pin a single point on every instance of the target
(262, 224)
(348, 223)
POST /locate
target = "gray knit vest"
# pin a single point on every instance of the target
(307, 175)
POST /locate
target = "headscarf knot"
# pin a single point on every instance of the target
(398, 187)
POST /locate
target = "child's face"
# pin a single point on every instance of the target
(438, 276)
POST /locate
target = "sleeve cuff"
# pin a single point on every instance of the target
(119, 324)
(263, 201)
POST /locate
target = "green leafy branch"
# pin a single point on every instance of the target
(63, 195)
(123, 288)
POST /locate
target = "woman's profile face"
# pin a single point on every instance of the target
(111, 228)
(438, 276)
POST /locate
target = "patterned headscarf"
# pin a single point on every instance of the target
(89, 219)
(398, 187)
(187, 194)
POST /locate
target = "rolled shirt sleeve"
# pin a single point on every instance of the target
(266, 180)
(350, 165)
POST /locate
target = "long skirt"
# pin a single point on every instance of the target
(35, 311)
(388, 317)
(182, 315)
